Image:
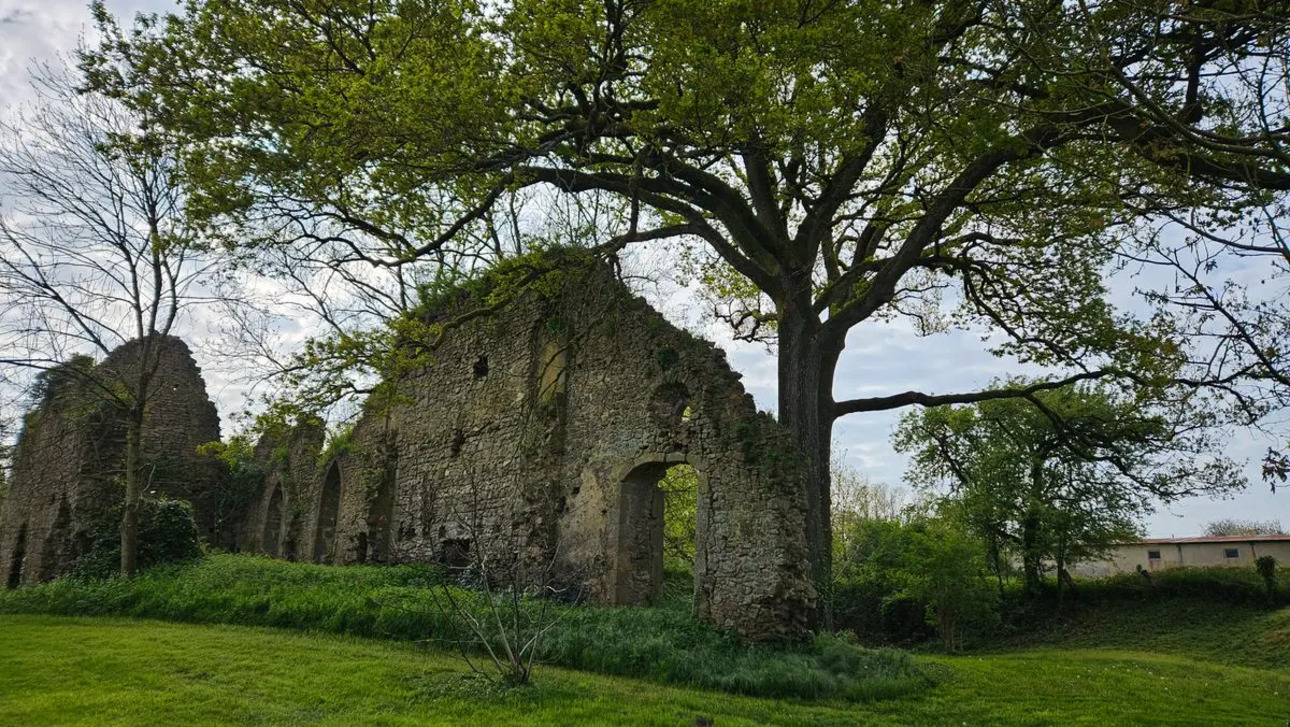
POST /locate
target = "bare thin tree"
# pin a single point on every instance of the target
(94, 253)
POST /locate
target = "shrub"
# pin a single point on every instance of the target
(1266, 566)
(1215, 584)
(898, 575)
(167, 534)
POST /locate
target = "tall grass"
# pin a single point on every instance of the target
(665, 644)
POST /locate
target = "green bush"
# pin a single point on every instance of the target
(668, 645)
(901, 582)
(665, 644)
(1266, 566)
(167, 534)
(1182, 587)
(870, 607)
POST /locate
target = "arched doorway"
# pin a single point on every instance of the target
(657, 535)
(273, 523)
(328, 511)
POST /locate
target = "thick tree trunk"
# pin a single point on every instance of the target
(1030, 564)
(133, 492)
(805, 409)
(1030, 557)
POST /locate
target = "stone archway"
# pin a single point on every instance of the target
(273, 516)
(637, 531)
(328, 512)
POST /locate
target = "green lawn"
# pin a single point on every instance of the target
(70, 671)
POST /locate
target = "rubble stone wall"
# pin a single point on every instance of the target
(69, 460)
(530, 447)
(274, 521)
(534, 444)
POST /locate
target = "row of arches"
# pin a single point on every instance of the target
(279, 539)
(654, 540)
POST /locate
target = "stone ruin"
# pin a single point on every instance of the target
(70, 455)
(531, 445)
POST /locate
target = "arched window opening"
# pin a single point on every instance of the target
(328, 512)
(670, 404)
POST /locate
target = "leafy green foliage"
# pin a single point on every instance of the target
(339, 442)
(927, 570)
(245, 479)
(680, 485)
(1063, 476)
(167, 534)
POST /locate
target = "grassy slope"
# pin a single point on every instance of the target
(1224, 634)
(58, 670)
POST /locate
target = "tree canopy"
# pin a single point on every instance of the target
(963, 163)
(1060, 479)
(1231, 526)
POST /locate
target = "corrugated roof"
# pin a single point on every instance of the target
(1214, 539)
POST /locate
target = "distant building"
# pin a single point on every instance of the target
(1160, 553)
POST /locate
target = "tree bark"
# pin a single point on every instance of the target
(805, 410)
(133, 493)
(1030, 557)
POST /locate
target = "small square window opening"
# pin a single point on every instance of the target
(1231, 552)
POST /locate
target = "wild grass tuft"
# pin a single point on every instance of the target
(665, 644)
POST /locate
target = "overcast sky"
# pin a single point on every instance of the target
(879, 358)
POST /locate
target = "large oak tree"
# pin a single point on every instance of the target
(840, 161)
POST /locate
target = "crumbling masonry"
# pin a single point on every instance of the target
(68, 464)
(533, 444)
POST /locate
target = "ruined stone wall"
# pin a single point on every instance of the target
(69, 458)
(274, 521)
(536, 440)
(531, 446)
(178, 418)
